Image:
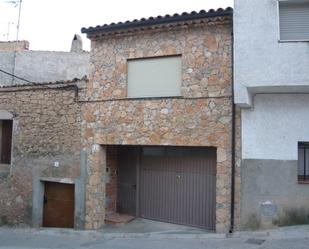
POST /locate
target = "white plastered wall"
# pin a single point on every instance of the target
(263, 64)
(272, 128)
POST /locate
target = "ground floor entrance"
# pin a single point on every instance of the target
(166, 183)
(58, 207)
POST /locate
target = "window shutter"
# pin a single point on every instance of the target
(6, 146)
(154, 77)
(294, 20)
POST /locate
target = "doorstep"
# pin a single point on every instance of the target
(118, 219)
(144, 228)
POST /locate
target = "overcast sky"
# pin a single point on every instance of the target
(51, 24)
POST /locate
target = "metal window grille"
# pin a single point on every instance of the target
(303, 161)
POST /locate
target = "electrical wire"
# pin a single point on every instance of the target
(17, 77)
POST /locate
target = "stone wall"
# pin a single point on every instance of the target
(206, 60)
(200, 117)
(46, 128)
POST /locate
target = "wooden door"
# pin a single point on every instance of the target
(58, 205)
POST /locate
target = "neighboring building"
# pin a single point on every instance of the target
(41, 66)
(14, 46)
(40, 141)
(40, 147)
(157, 120)
(271, 68)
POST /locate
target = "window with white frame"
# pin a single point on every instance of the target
(154, 77)
(6, 127)
(294, 20)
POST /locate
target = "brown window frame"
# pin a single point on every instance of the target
(6, 141)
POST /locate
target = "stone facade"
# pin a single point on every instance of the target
(46, 128)
(202, 116)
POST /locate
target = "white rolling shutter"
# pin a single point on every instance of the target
(154, 77)
(294, 20)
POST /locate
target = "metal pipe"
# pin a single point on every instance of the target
(232, 210)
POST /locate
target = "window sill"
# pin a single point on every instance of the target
(5, 164)
(285, 41)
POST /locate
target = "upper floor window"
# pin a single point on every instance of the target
(303, 162)
(6, 127)
(294, 20)
(154, 77)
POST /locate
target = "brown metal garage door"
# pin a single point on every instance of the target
(178, 185)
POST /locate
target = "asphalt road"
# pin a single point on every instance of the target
(36, 239)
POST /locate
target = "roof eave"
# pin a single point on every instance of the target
(159, 20)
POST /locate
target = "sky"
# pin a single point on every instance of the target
(51, 24)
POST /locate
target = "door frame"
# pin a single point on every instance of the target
(5, 115)
(59, 188)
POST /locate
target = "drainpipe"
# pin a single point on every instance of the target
(232, 211)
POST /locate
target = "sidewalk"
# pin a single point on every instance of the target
(296, 237)
(159, 230)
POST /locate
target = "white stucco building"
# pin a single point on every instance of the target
(41, 66)
(271, 83)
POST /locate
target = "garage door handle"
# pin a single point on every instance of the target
(178, 177)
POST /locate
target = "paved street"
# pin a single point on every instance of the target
(287, 238)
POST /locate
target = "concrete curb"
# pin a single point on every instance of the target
(162, 235)
(293, 232)
(169, 234)
(110, 235)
